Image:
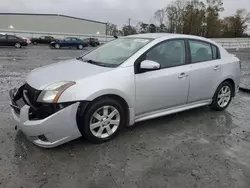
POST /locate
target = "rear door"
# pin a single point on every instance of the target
(206, 70)
(74, 42)
(11, 40)
(46, 40)
(3, 40)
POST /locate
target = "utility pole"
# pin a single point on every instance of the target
(129, 20)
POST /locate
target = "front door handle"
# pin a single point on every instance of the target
(183, 75)
(217, 67)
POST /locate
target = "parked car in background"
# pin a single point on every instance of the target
(12, 40)
(26, 39)
(93, 41)
(122, 82)
(69, 42)
(42, 40)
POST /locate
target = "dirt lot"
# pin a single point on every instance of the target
(197, 148)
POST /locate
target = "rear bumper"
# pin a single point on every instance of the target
(52, 131)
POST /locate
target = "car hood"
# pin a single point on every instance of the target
(70, 70)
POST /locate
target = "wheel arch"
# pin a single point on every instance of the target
(231, 81)
(83, 107)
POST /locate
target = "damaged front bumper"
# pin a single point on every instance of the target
(46, 125)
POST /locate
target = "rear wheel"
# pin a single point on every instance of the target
(18, 45)
(102, 121)
(80, 46)
(57, 46)
(222, 97)
(35, 43)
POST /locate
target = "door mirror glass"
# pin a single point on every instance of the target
(149, 65)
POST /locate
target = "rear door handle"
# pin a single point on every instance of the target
(217, 67)
(183, 75)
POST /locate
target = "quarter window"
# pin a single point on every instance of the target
(215, 52)
(168, 54)
(200, 51)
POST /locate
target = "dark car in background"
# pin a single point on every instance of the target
(42, 40)
(12, 40)
(69, 42)
(93, 41)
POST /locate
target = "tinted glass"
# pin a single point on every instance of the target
(2, 37)
(168, 54)
(200, 51)
(12, 38)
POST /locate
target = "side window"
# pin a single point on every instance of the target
(2, 37)
(12, 38)
(168, 54)
(215, 52)
(200, 51)
(42, 37)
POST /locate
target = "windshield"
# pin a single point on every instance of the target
(114, 53)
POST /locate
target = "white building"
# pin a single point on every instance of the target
(50, 23)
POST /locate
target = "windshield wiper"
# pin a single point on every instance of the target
(95, 62)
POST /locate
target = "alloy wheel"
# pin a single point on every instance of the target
(104, 122)
(224, 96)
(17, 45)
(80, 46)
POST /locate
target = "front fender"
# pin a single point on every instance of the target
(119, 82)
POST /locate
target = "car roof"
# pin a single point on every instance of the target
(166, 35)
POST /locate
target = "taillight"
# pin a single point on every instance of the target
(25, 40)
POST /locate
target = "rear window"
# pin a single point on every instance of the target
(12, 37)
(202, 51)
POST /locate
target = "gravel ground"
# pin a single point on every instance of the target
(196, 148)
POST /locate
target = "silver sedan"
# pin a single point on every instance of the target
(127, 80)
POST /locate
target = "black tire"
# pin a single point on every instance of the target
(18, 45)
(35, 43)
(84, 121)
(215, 105)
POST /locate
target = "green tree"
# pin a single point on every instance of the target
(212, 22)
(128, 30)
(194, 15)
(235, 26)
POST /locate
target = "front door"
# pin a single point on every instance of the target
(3, 40)
(167, 87)
(206, 71)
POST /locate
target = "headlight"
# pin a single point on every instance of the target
(52, 93)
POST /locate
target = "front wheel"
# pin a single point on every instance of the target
(222, 97)
(102, 121)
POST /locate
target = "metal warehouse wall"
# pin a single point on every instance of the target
(50, 23)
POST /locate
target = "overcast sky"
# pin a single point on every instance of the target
(115, 11)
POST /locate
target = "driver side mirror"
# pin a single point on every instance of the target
(148, 65)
